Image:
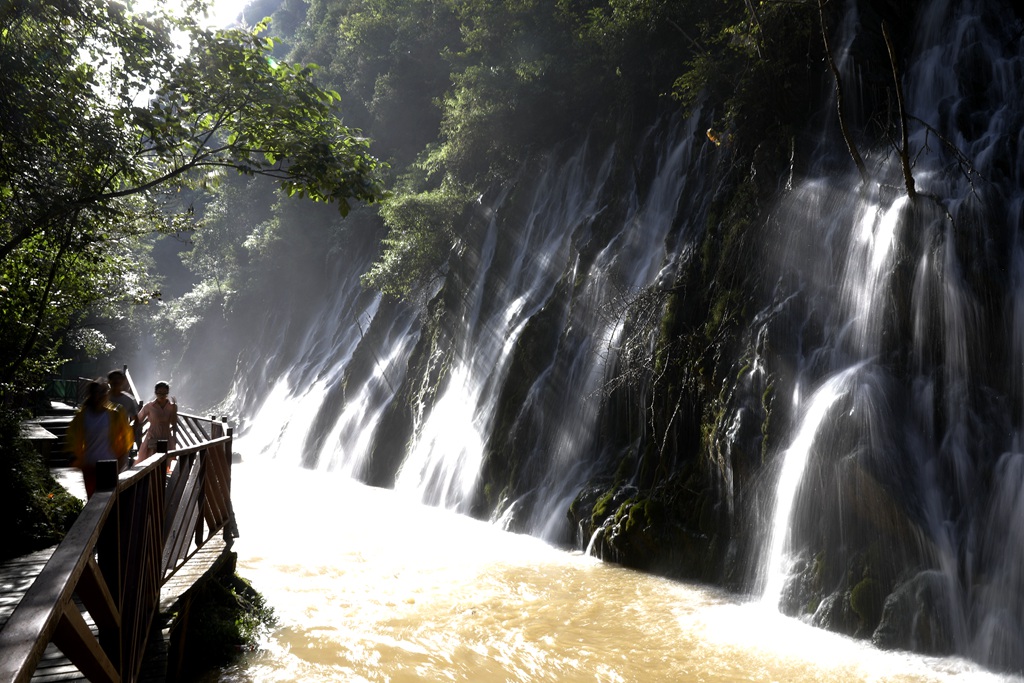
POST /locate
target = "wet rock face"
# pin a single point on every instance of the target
(656, 531)
(592, 508)
(851, 611)
(913, 617)
(834, 614)
(858, 543)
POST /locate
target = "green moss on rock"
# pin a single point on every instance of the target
(226, 616)
(866, 600)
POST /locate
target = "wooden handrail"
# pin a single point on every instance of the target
(127, 541)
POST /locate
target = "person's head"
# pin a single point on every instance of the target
(116, 379)
(96, 392)
(162, 389)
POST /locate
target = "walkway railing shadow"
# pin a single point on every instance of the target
(97, 596)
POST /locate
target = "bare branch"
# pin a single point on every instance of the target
(966, 165)
(697, 46)
(847, 137)
(908, 176)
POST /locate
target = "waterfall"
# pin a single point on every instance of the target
(540, 254)
(894, 338)
(539, 265)
(444, 460)
(794, 461)
(294, 388)
(924, 295)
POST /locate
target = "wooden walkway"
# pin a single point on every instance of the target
(100, 605)
(17, 574)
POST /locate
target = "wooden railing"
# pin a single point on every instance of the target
(135, 532)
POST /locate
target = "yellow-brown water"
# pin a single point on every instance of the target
(368, 587)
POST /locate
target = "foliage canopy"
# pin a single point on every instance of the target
(107, 119)
(459, 93)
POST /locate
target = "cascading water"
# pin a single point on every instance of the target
(444, 461)
(562, 402)
(525, 267)
(794, 461)
(899, 477)
(309, 411)
(927, 302)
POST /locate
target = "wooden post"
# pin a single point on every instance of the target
(106, 475)
(202, 467)
(142, 546)
(231, 529)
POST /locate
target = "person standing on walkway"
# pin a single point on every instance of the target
(98, 431)
(162, 414)
(120, 394)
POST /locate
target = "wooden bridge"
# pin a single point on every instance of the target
(135, 550)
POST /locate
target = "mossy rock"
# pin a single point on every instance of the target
(914, 616)
(646, 533)
(226, 616)
(595, 506)
(835, 614)
(866, 600)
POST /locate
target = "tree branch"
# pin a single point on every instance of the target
(908, 176)
(966, 165)
(41, 307)
(847, 137)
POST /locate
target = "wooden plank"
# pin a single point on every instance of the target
(199, 424)
(76, 640)
(30, 627)
(175, 490)
(93, 591)
(190, 431)
(204, 561)
(16, 576)
(54, 667)
(143, 575)
(218, 501)
(179, 532)
(184, 437)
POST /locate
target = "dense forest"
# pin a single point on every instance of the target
(417, 118)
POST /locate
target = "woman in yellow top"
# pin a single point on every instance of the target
(98, 431)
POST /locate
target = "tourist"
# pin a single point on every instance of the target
(162, 414)
(98, 431)
(120, 394)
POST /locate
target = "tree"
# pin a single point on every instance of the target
(461, 92)
(105, 117)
